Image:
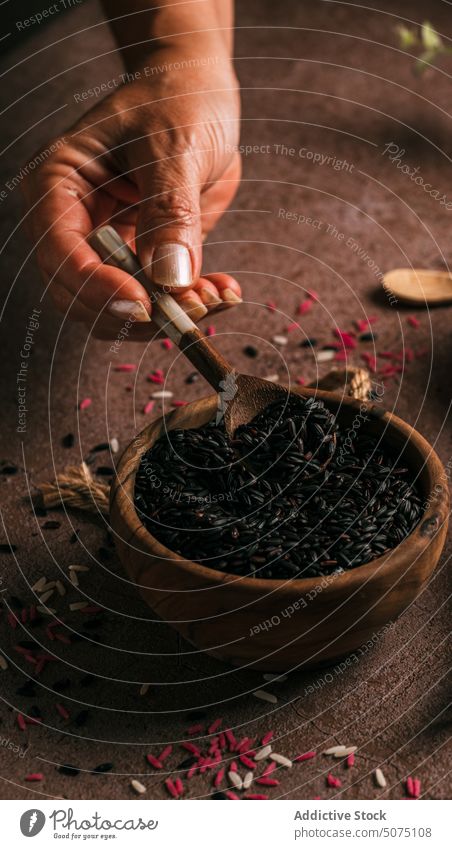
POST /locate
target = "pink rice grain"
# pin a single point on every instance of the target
(85, 403)
(293, 326)
(311, 293)
(332, 781)
(192, 771)
(154, 762)
(269, 769)
(179, 403)
(63, 639)
(40, 666)
(247, 762)
(171, 788)
(230, 737)
(231, 795)
(271, 306)
(215, 726)
(346, 338)
(222, 740)
(21, 722)
(370, 361)
(233, 767)
(33, 612)
(211, 331)
(416, 788)
(190, 747)
(301, 382)
(49, 634)
(62, 711)
(167, 344)
(268, 782)
(12, 620)
(148, 407)
(255, 796)
(126, 367)
(23, 615)
(165, 753)
(413, 321)
(304, 307)
(34, 776)
(155, 378)
(350, 760)
(179, 786)
(268, 736)
(306, 756)
(218, 778)
(195, 729)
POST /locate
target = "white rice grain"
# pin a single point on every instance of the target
(324, 356)
(380, 780)
(262, 753)
(280, 340)
(47, 611)
(235, 779)
(114, 445)
(270, 676)
(163, 393)
(346, 750)
(281, 759)
(76, 568)
(39, 585)
(248, 780)
(3, 663)
(143, 689)
(138, 786)
(265, 697)
(78, 605)
(46, 596)
(73, 577)
(61, 589)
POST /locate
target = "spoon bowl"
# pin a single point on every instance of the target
(419, 286)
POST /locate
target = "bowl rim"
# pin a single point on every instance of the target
(413, 545)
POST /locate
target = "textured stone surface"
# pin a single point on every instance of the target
(347, 92)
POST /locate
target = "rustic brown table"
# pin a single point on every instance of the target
(325, 79)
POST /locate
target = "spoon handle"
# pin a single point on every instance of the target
(167, 314)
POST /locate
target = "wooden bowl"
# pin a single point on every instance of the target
(277, 625)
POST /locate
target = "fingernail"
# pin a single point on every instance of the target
(195, 310)
(229, 295)
(129, 310)
(210, 299)
(171, 265)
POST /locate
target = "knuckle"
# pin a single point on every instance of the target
(170, 207)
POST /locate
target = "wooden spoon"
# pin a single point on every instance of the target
(419, 286)
(241, 396)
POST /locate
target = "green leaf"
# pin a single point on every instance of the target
(407, 37)
(425, 59)
(430, 38)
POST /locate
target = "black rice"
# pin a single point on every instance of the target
(292, 495)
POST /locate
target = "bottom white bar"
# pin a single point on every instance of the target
(203, 825)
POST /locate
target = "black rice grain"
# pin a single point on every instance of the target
(292, 495)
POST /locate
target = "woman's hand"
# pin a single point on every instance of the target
(158, 160)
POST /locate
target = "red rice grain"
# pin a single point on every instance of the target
(85, 404)
(306, 756)
(171, 788)
(154, 762)
(34, 776)
(215, 726)
(267, 737)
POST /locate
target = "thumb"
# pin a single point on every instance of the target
(168, 238)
